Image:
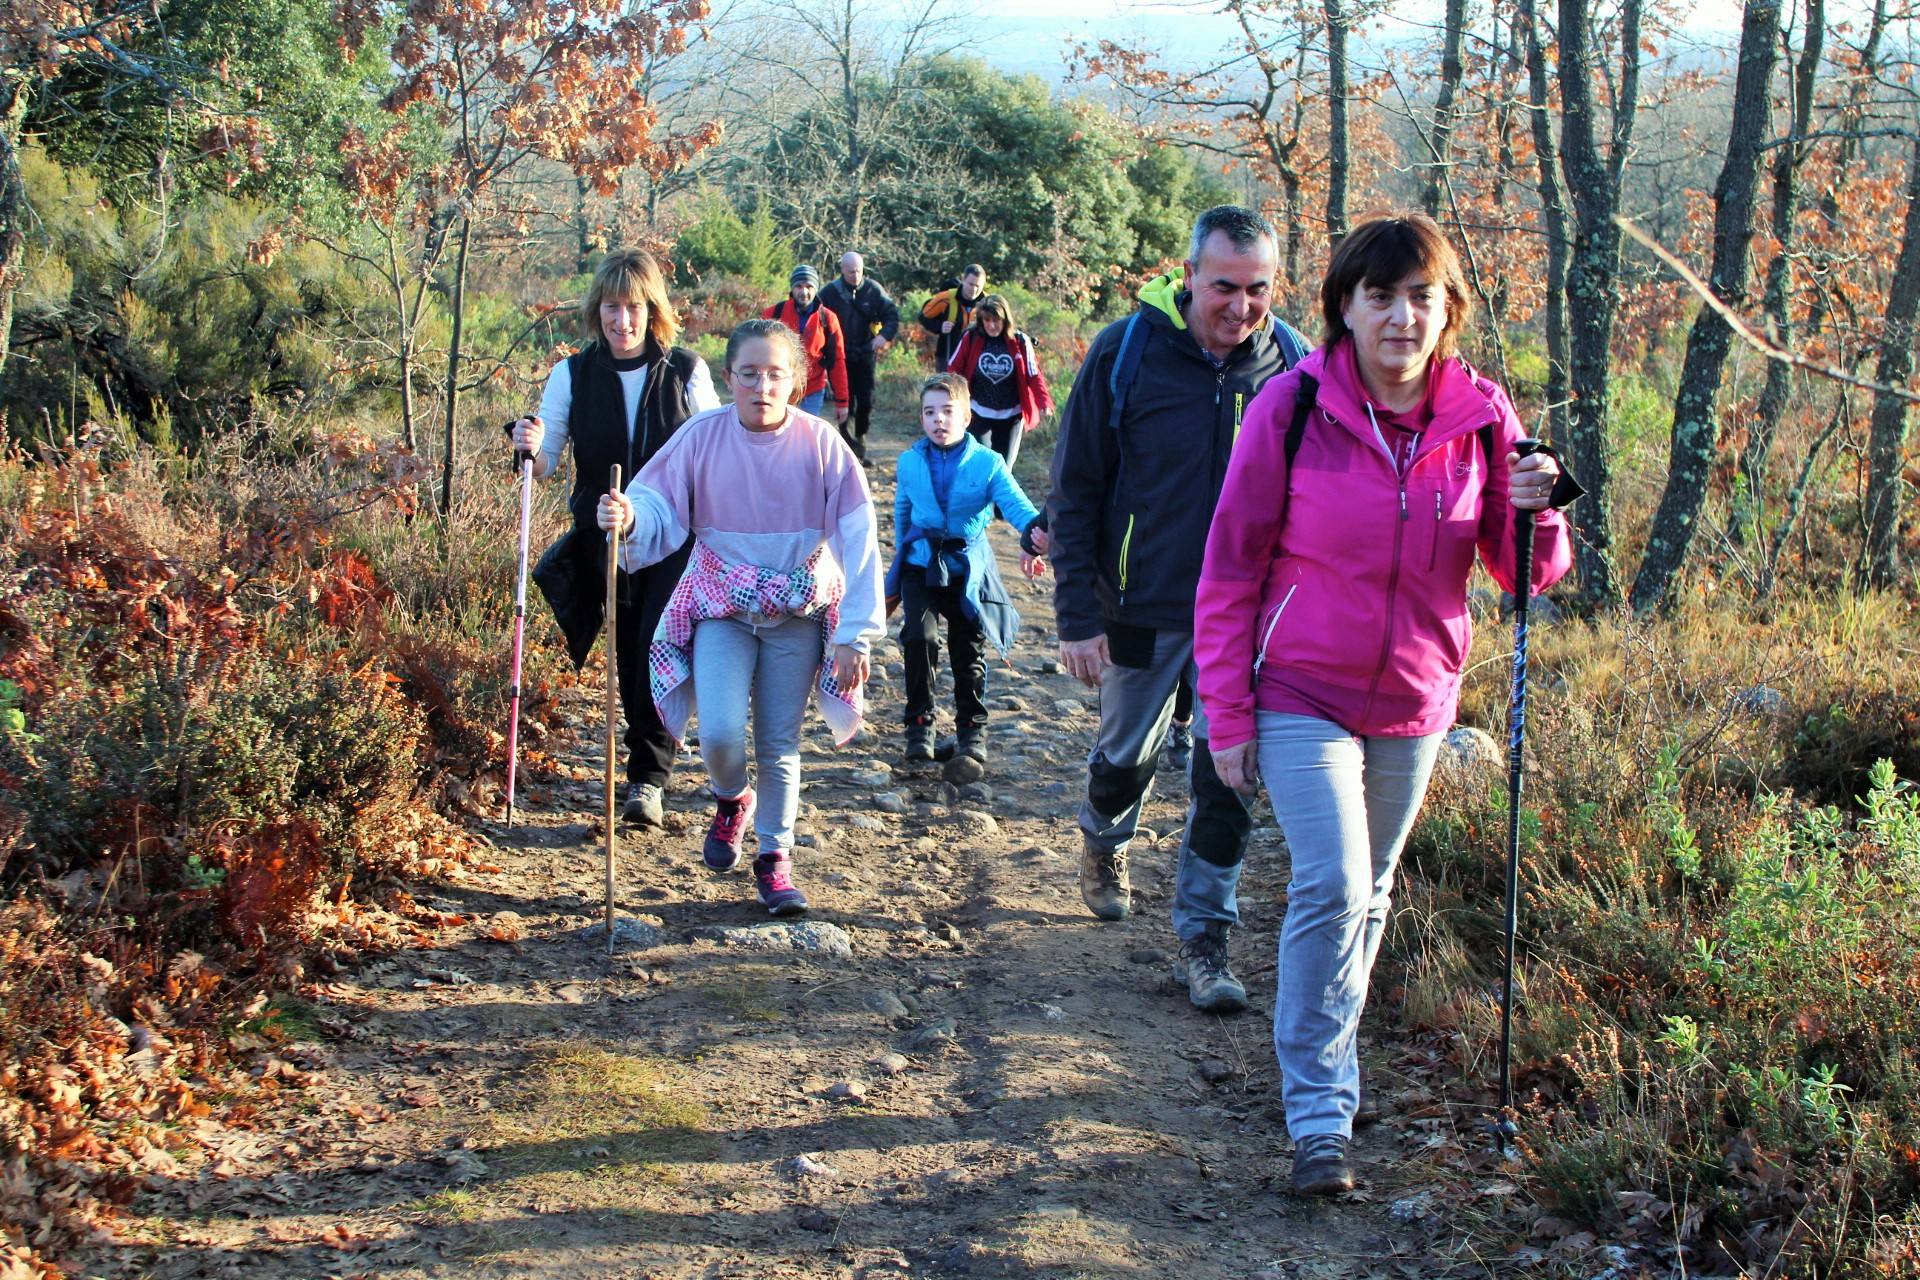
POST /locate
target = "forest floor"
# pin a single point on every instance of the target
(971, 1076)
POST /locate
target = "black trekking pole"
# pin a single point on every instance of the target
(1508, 1127)
(613, 705)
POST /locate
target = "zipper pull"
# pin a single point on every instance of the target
(1403, 501)
(1436, 504)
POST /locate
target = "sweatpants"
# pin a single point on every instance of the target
(1002, 435)
(922, 607)
(771, 664)
(650, 748)
(1136, 707)
(1345, 805)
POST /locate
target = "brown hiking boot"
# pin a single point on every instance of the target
(1320, 1166)
(1104, 885)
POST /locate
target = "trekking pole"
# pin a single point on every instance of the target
(519, 625)
(613, 601)
(1508, 1127)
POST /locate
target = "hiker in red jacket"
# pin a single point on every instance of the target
(820, 338)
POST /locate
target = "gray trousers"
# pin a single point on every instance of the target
(1346, 805)
(1136, 707)
(774, 664)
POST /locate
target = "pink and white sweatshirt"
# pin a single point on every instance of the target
(764, 498)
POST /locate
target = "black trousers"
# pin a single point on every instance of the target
(650, 748)
(860, 409)
(923, 607)
(1002, 435)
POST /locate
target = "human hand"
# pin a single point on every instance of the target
(880, 346)
(527, 435)
(850, 667)
(1086, 660)
(1238, 767)
(615, 513)
(1042, 542)
(1530, 480)
(840, 413)
(1033, 566)
(946, 326)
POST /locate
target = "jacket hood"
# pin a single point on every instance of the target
(1462, 399)
(1162, 296)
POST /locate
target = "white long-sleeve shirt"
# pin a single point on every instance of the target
(556, 404)
(766, 498)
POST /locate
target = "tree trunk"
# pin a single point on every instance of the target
(1778, 296)
(1887, 434)
(1554, 213)
(1440, 142)
(459, 301)
(1695, 423)
(1337, 153)
(13, 208)
(582, 228)
(1592, 270)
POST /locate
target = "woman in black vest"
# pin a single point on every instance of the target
(617, 402)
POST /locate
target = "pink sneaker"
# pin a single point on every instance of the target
(731, 819)
(773, 874)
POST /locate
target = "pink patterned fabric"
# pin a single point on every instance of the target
(713, 588)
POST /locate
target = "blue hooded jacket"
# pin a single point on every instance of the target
(944, 500)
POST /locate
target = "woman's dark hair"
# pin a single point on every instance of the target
(1384, 251)
(994, 305)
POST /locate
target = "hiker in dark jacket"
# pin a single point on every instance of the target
(870, 323)
(1133, 495)
(618, 401)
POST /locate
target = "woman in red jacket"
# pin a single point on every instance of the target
(1003, 377)
(1331, 623)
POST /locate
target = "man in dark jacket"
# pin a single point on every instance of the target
(1133, 495)
(870, 322)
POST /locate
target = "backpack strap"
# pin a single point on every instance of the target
(1308, 395)
(1293, 346)
(1486, 448)
(1126, 366)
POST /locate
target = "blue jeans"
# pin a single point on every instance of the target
(771, 665)
(814, 403)
(1345, 805)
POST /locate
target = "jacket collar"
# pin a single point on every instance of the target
(1460, 405)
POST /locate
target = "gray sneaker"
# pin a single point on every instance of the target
(1104, 884)
(1320, 1166)
(1211, 985)
(645, 805)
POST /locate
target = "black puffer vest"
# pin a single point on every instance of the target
(598, 420)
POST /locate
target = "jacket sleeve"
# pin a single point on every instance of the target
(965, 352)
(1242, 543)
(1552, 540)
(1042, 394)
(556, 408)
(1015, 506)
(934, 313)
(902, 499)
(889, 313)
(1086, 459)
(662, 498)
(834, 356)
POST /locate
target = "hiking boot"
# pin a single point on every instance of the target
(1211, 985)
(1368, 1111)
(730, 821)
(919, 742)
(644, 807)
(1104, 885)
(1179, 752)
(1320, 1165)
(773, 877)
(971, 740)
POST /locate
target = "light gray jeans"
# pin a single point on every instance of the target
(1345, 805)
(776, 662)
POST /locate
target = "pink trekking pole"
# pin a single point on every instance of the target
(519, 626)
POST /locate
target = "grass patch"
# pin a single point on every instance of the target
(451, 1205)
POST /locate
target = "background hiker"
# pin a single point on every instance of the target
(782, 593)
(1143, 449)
(947, 313)
(617, 401)
(870, 322)
(820, 338)
(1003, 376)
(949, 486)
(1331, 628)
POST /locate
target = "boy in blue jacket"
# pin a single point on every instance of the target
(949, 485)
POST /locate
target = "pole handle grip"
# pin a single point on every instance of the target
(1526, 446)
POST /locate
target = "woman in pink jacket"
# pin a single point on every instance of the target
(1331, 623)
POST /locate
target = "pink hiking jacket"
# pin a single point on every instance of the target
(1349, 602)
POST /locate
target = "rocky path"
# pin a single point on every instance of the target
(951, 1069)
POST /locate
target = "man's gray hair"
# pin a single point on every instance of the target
(1244, 228)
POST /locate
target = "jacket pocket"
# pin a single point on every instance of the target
(1126, 551)
(1267, 628)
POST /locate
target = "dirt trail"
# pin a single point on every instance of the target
(991, 1083)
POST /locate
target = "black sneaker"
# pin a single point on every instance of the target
(971, 740)
(1320, 1166)
(1211, 985)
(919, 742)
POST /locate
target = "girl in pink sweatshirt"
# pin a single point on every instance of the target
(782, 593)
(1331, 623)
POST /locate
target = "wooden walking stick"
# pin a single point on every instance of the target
(613, 706)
